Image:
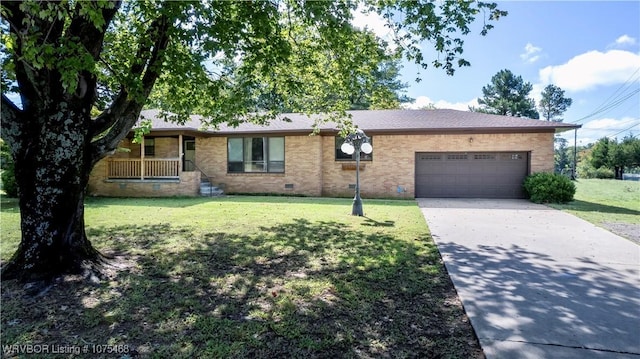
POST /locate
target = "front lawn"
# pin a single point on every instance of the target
(611, 204)
(253, 277)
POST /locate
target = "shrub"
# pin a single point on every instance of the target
(587, 171)
(604, 173)
(546, 187)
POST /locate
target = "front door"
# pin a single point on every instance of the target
(189, 162)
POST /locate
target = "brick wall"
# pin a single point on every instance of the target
(302, 168)
(189, 185)
(393, 162)
(311, 168)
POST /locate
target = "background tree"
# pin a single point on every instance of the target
(429, 106)
(611, 156)
(562, 159)
(631, 146)
(374, 84)
(205, 57)
(385, 91)
(507, 95)
(600, 153)
(553, 104)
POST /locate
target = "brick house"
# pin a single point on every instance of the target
(416, 153)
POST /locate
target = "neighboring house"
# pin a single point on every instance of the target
(416, 153)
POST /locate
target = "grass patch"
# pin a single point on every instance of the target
(250, 277)
(612, 204)
(599, 201)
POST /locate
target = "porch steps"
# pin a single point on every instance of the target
(207, 189)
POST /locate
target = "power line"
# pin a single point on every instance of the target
(609, 106)
(614, 99)
(620, 87)
(634, 106)
(626, 129)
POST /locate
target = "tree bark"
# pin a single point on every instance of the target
(52, 171)
(54, 146)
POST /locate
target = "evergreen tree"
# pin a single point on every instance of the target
(507, 95)
(553, 103)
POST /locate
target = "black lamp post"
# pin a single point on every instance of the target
(356, 142)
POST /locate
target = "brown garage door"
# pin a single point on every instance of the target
(471, 174)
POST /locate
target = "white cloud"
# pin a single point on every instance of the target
(536, 92)
(424, 101)
(374, 22)
(625, 40)
(371, 21)
(531, 53)
(608, 123)
(591, 69)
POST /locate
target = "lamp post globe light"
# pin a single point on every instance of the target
(357, 142)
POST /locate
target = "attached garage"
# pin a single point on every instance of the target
(471, 174)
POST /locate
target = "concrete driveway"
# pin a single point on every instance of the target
(537, 282)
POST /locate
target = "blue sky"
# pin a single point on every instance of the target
(589, 49)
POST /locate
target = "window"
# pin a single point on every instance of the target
(454, 157)
(341, 156)
(149, 147)
(255, 154)
(430, 157)
(484, 157)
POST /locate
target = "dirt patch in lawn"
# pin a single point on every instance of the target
(627, 230)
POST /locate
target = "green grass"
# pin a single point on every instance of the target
(249, 277)
(605, 201)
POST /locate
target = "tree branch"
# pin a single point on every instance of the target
(123, 114)
(14, 15)
(24, 73)
(91, 36)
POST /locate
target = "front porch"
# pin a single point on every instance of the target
(143, 168)
(158, 166)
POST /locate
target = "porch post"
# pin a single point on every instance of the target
(180, 155)
(142, 159)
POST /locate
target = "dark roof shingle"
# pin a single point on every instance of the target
(375, 121)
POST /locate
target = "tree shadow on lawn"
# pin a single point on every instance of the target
(299, 289)
(584, 206)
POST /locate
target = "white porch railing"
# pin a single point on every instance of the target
(128, 168)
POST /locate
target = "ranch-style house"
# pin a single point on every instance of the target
(416, 153)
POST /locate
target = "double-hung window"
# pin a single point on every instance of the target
(149, 146)
(255, 154)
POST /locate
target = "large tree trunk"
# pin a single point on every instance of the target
(54, 141)
(52, 172)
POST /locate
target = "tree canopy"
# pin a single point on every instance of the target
(562, 161)
(616, 156)
(219, 59)
(374, 85)
(508, 95)
(553, 104)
